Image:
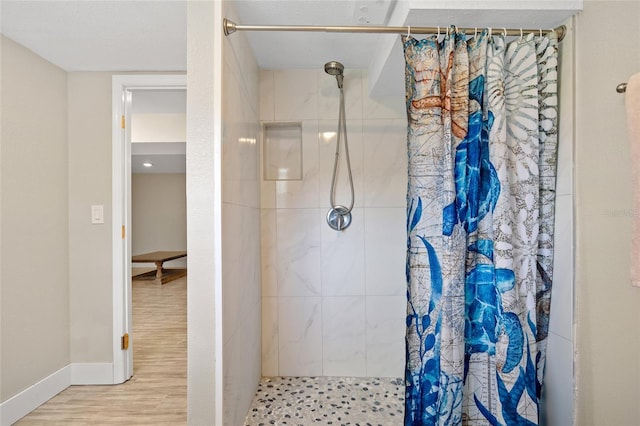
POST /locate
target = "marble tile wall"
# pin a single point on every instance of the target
(333, 303)
(241, 299)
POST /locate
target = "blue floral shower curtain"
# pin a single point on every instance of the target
(482, 144)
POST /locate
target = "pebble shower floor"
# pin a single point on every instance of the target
(340, 401)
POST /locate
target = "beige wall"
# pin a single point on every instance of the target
(90, 245)
(240, 227)
(158, 127)
(34, 264)
(158, 212)
(608, 308)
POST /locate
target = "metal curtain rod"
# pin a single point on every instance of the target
(231, 27)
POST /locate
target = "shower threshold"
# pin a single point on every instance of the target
(327, 401)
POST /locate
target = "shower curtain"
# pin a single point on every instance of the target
(482, 150)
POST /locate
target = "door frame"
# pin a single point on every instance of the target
(122, 86)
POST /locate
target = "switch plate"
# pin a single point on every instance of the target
(97, 214)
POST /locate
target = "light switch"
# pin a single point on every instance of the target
(97, 214)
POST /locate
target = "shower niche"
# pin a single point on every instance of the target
(282, 151)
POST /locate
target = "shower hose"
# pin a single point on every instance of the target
(342, 135)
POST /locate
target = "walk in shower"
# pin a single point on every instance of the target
(333, 304)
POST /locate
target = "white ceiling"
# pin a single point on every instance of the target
(284, 50)
(129, 35)
(160, 101)
(86, 35)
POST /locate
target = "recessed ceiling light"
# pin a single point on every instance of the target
(147, 164)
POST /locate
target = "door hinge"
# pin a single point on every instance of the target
(125, 341)
(122, 121)
(123, 232)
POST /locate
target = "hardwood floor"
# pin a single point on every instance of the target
(157, 392)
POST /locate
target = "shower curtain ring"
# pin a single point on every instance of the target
(475, 34)
(438, 31)
(540, 32)
(490, 32)
(504, 31)
(521, 35)
(409, 31)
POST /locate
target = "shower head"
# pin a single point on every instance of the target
(335, 68)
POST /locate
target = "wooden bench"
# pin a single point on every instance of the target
(160, 275)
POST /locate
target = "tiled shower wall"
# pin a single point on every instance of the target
(240, 225)
(333, 303)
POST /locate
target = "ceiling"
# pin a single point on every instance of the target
(284, 50)
(85, 35)
(162, 101)
(88, 35)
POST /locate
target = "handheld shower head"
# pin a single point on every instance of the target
(333, 68)
(336, 69)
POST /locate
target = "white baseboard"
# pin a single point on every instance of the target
(91, 373)
(18, 406)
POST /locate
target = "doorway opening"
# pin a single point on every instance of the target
(125, 155)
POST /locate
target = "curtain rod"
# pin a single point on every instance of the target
(231, 27)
